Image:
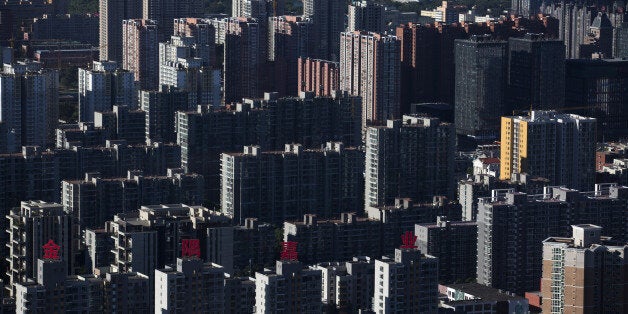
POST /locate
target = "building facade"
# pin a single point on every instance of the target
(29, 229)
(140, 51)
(407, 283)
(102, 87)
(328, 17)
(409, 158)
(509, 260)
(559, 147)
(161, 107)
(112, 13)
(596, 88)
(454, 244)
(279, 185)
(29, 106)
(290, 38)
(370, 68)
(536, 72)
(191, 287)
(574, 271)
(290, 288)
(481, 81)
(244, 57)
(366, 16)
(318, 76)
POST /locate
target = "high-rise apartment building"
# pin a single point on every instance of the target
(112, 13)
(525, 8)
(483, 185)
(53, 290)
(410, 158)
(204, 36)
(79, 134)
(187, 68)
(328, 17)
(165, 11)
(105, 292)
(243, 60)
(596, 88)
(239, 294)
(370, 68)
(348, 235)
(29, 106)
(511, 226)
(122, 123)
(536, 72)
(251, 246)
(419, 61)
(102, 87)
(559, 147)
(481, 81)
(575, 27)
(407, 283)
(318, 76)
(446, 49)
(126, 292)
(348, 285)
(583, 274)
(290, 38)
(140, 51)
(270, 123)
(454, 244)
(206, 133)
(290, 288)
(278, 185)
(29, 228)
(95, 200)
(261, 10)
(150, 238)
(35, 173)
(367, 16)
(191, 286)
(161, 107)
(98, 244)
(621, 43)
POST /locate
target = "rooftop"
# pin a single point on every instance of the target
(484, 292)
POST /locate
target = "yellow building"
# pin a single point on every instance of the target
(559, 147)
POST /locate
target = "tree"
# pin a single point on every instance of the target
(83, 6)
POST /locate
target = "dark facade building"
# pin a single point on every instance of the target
(283, 185)
(525, 7)
(512, 226)
(244, 58)
(161, 108)
(269, 123)
(536, 72)
(290, 38)
(328, 17)
(412, 157)
(454, 243)
(448, 34)
(622, 41)
(419, 64)
(165, 11)
(95, 200)
(599, 88)
(112, 12)
(75, 27)
(481, 78)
